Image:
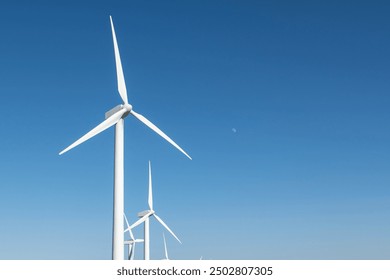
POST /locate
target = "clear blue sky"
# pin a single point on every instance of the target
(283, 106)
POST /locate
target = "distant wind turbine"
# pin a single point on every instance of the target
(144, 218)
(165, 248)
(131, 242)
(116, 117)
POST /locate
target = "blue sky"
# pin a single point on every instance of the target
(283, 106)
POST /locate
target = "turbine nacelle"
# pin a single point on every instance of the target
(117, 108)
(145, 213)
(131, 242)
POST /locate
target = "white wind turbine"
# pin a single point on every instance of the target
(116, 117)
(144, 218)
(165, 248)
(132, 241)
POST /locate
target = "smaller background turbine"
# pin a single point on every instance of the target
(144, 218)
(132, 241)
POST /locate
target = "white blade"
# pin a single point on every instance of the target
(140, 221)
(131, 234)
(165, 247)
(101, 127)
(158, 131)
(127, 222)
(150, 198)
(128, 228)
(164, 224)
(131, 253)
(119, 71)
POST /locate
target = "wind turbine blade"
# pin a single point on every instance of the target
(127, 222)
(101, 127)
(119, 71)
(131, 253)
(165, 225)
(158, 131)
(150, 198)
(131, 234)
(165, 247)
(128, 227)
(140, 221)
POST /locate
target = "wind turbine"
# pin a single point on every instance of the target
(132, 241)
(165, 248)
(144, 218)
(116, 117)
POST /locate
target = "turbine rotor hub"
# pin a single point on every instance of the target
(128, 107)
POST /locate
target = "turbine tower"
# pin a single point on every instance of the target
(116, 117)
(144, 218)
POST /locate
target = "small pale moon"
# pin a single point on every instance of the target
(234, 130)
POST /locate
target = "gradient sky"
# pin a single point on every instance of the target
(283, 106)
